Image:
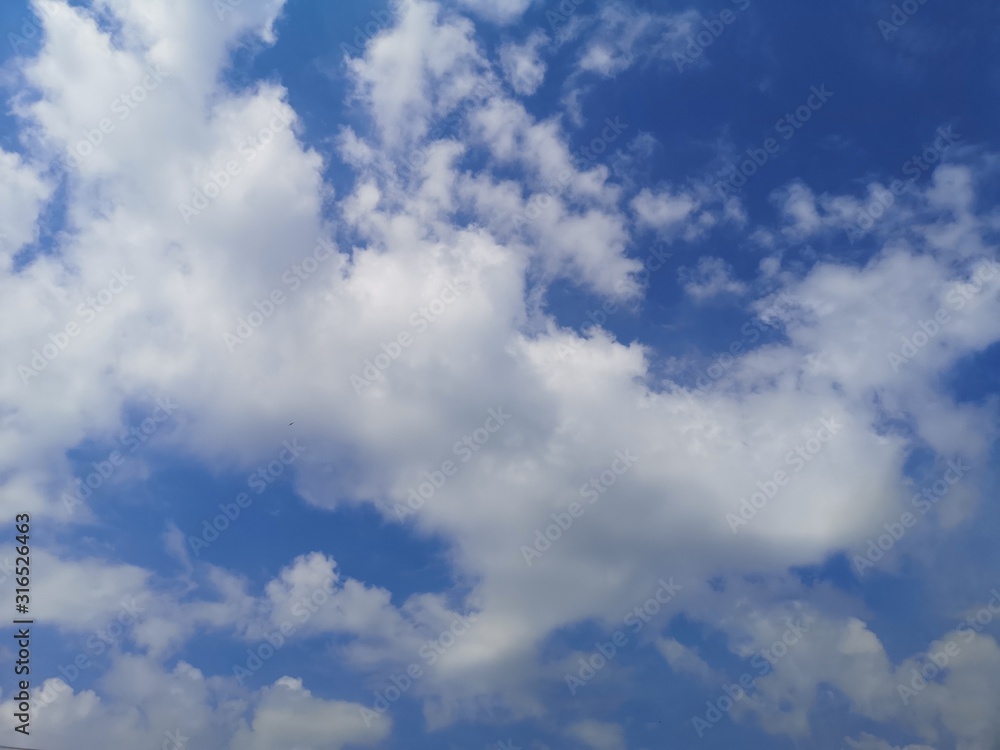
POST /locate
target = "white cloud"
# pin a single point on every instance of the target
(522, 63)
(710, 278)
(84, 594)
(798, 206)
(22, 194)
(411, 233)
(424, 66)
(625, 37)
(288, 715)
(685, 660)
(140, 705)
(598, 735)
(614, 39)
(662, 210)
(870, 742)
(500, 11)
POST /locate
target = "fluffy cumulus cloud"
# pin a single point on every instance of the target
(628, 36)
(502, 11)
(710, 278)
(449, 293)
(597, 735)
(522, 63)
(288, 715)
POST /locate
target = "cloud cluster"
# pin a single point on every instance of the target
(430, 96)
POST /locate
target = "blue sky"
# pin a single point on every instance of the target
(502, 374)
